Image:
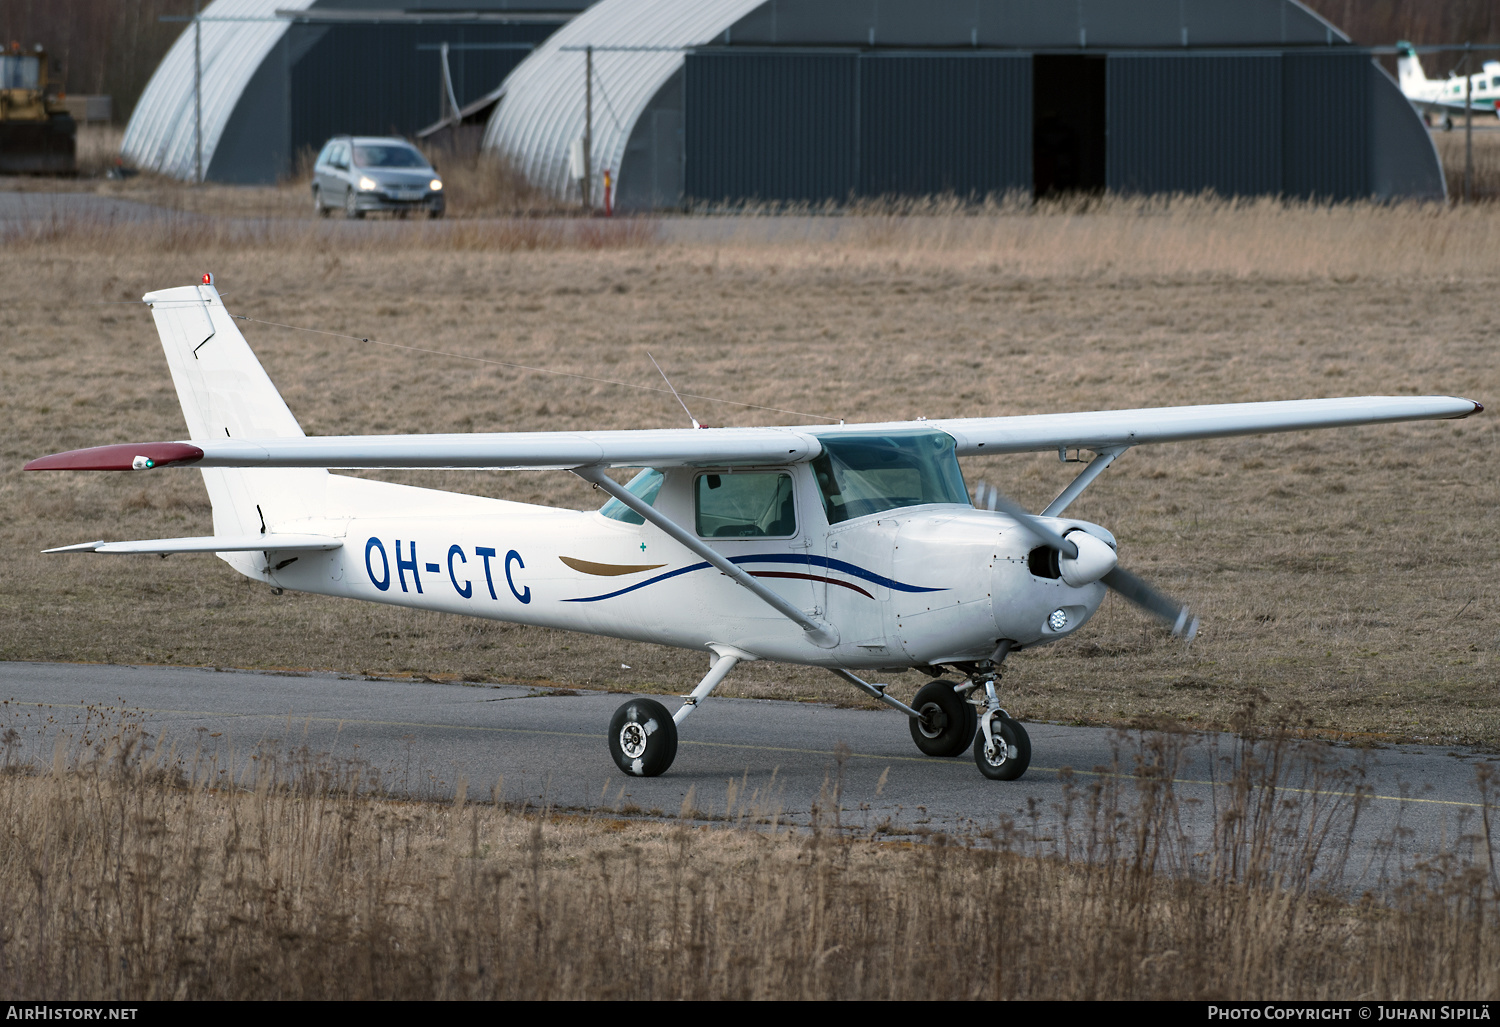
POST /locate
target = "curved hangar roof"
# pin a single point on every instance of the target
(640, 44)
(161, 135)
(543, 111)
(251, 58)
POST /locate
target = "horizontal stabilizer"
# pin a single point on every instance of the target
(272, 542)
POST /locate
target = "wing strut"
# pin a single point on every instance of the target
(1085, 478)
(820, 632)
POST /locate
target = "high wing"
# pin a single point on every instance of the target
(708, 447)
(271, 542)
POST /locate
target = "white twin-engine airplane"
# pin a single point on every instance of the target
(854, 548)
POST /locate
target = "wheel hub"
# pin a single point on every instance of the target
(933, 721)
(633, 740)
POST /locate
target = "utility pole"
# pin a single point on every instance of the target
(1468, 127)
(588, 128)
(197, 94)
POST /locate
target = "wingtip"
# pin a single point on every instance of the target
(129, 456)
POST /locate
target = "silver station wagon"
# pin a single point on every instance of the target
(365, 173)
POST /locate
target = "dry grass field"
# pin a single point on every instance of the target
(1346, 578)
(130, 872)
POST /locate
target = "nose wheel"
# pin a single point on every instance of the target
(1002, 749)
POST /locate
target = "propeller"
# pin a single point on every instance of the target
(1083, 558)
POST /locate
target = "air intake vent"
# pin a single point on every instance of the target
(1042, 561)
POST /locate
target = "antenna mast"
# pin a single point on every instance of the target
(674, 390)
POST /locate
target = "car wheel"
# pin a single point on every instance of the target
(318, 207)
(351, 206)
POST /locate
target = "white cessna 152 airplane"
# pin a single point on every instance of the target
(851, 547)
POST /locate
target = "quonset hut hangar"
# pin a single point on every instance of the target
(278, 77)
(812, 100)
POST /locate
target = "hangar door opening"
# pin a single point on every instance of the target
(1068, 124)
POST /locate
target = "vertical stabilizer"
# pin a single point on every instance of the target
(225, 393)
(1409, 67)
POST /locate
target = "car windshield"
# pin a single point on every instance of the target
(645, 485)
(864, 474)
(391, 156)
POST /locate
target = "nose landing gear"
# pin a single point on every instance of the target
(1002, 749)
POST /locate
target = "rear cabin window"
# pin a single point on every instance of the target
(753, 504)
(864, 474)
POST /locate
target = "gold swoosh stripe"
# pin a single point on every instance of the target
(608, 570)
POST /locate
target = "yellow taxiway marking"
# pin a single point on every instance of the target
(341, 721)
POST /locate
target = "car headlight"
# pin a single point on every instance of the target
(367, 184)
(436, 185)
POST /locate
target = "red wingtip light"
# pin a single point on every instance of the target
(208, 278)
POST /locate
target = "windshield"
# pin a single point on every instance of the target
(388, 157)
(19, 72)
(865, 474)
(645, 485)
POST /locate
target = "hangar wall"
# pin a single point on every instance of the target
(810, 100)
(811, 125)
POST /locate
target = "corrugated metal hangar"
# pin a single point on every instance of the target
(807, 100)
(279, 77)
(812, 100)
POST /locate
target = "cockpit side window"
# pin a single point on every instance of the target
(645, 485)
(864, 474)
(755, 504)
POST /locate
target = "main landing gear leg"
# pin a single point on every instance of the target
(643, 735)
(1002, 748)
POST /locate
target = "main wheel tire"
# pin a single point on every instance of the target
(1011, 763)
(948, 722)
(351, 206)
(318, 207)
(643, 738)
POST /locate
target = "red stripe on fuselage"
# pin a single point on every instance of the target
(809, 577)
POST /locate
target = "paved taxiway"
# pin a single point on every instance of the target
(550, 748)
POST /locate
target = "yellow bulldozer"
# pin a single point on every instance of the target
(37, 134)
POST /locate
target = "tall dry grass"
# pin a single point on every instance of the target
(1454, 150)
(1193, 236)
(131, 872)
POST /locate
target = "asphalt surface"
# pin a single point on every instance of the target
(778, 758)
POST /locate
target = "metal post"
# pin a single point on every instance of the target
(197, 94)
(1468, 127)
(588, 128)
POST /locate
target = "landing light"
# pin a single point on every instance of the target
(1058, 620)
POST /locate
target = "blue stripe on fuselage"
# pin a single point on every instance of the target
(803, 559)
